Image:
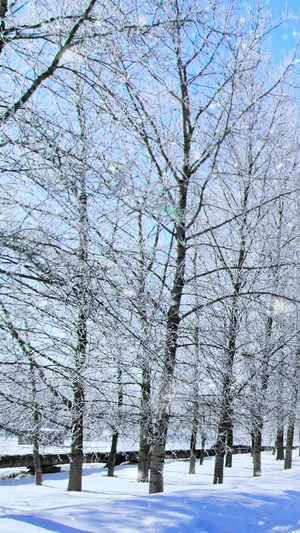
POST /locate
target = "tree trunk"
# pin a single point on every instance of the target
(75, 475)
(252, 444)
(225, 425)
(112, 456)
(202, 452)
(145, 427)
(114, 442)
(195, 423)
(220, 454)
(192, 468)
(156, 483)
(36, 423)
(219, 468)
(144, 460)
(292, 415)
(257, 453)
(80, 294)
(3, 9)
(289, 446)
(165, 391)
(259, 407)
(173, 314)
(37, 463)
(279, 444)
(229, 447)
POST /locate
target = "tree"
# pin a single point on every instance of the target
(119, 146)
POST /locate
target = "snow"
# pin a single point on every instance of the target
(190, 503)
(10, 446)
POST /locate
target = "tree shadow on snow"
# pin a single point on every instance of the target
(45, 524)
(29, 479)
(188, 513)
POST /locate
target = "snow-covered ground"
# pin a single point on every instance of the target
(10, 446)
(190, 502)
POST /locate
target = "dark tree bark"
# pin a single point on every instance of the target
(114, 443)
(165, 392)
(111, 463)
(156, 483)
(292, 413)
(173, 315)
(144, 460)
(145, 427)
(193, 458)
(50, 70)
(289, 445)
(195, 399)
(226, 408)
(226, 422)
(229, 447)
(265, 366)
(146, 436)
(226, 413)
(220, 453)
(75, 475)
(37, 463)
(80, 296)
(36, 434)
(36, 420)
(36, 438)
(279, 444)
(258, 422)
(3, 9)
(252, 443)
(202, 452)
(257, 450)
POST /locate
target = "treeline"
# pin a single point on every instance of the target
(149, 226)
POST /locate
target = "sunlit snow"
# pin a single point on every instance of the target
(190, 504)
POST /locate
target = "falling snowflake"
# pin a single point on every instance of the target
(281, 306)
(129, 293)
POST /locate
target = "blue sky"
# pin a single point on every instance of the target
(285, 37)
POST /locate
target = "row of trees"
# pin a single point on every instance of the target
(149, 225)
